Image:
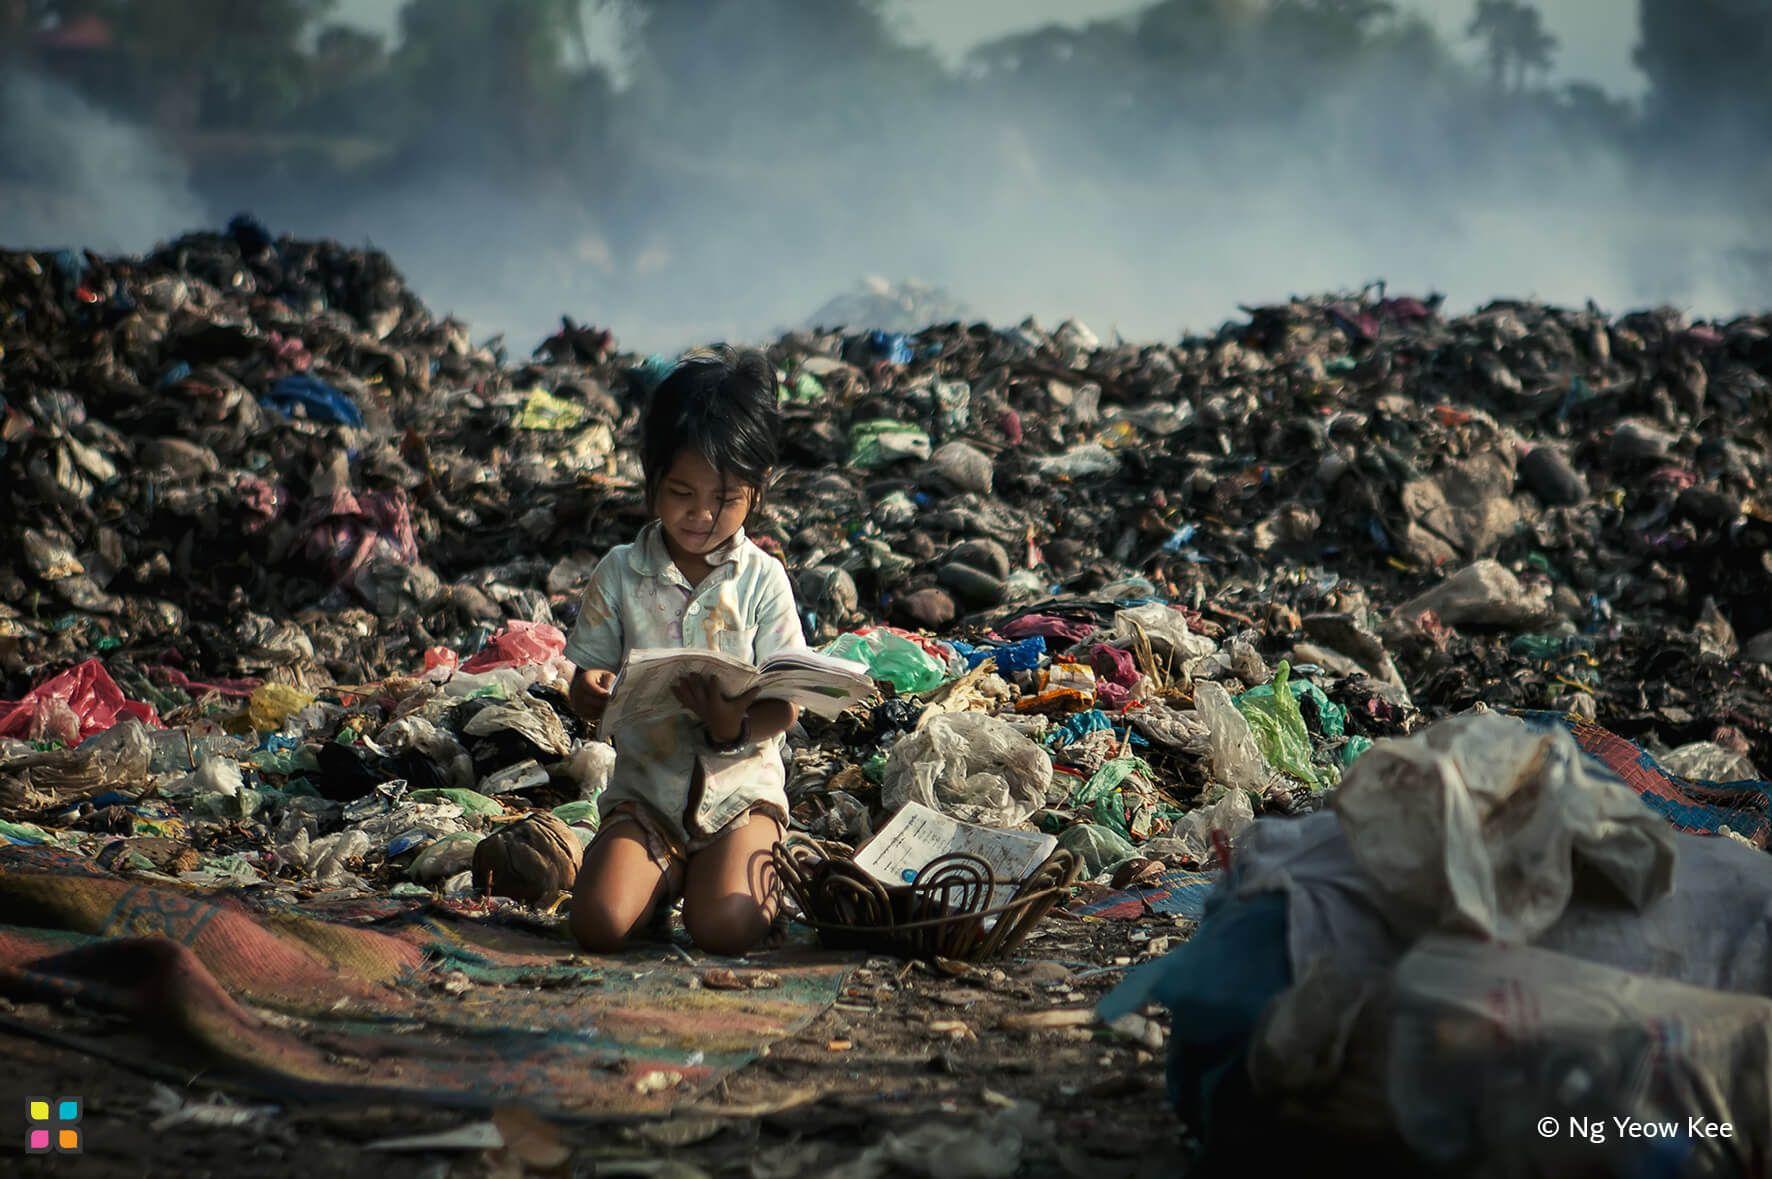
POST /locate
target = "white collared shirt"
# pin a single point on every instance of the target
(744, 607)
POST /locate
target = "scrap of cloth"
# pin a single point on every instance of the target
(1178, 893)
(1690, 805)
(427, 1000)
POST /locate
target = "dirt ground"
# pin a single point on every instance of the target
(914, 1064)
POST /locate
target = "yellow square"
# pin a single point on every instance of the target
(39, 1111)
(69, 1140)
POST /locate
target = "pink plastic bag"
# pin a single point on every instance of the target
(79, 702)
(346, 530)
(518, 645)
(1053, 629)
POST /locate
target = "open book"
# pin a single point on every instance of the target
(819, 683)
(916, 835)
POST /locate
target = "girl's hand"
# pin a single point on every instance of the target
(590, 692)
(722, 716)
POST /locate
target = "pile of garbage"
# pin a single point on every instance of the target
(287, 562)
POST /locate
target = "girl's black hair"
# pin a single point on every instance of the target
(721, 403)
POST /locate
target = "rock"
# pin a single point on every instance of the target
(1482, 594)
(1547, 471)
(984, 554)
(829, 591)
(974, 587)
(1707, 506)
(926, 609)
(1465, 511)
(963, 467)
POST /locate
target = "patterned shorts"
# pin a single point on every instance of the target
(663, 846)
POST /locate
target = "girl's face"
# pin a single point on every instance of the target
(701, 511)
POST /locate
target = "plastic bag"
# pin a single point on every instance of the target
(1171, 728)
(962, 466)
(1485, 593)
(891, 658)
(214, 775)
(1231, 814)
(1516, 1060)
(1103, 793)
(415, 737)
(1707, 761)
(444, 857)
(970, 767)
(541, 410)
(1173, 645)
(1422, 817)
(468, 802)
(518, 644)
(1024, 655)
(1236, 758)
(314, 398)
(1102, 849)
(884, 440)
(271, 705)
(591, 765)
(1274, 718)
(1079, 462)
(72, 706)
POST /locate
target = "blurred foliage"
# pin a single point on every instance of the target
(828, 93)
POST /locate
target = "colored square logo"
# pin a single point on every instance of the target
(52, 1125)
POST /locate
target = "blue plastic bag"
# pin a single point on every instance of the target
(321, 401)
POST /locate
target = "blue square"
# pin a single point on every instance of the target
(68, 1109)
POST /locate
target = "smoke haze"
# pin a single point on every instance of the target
(75, 176)
(1140, 174)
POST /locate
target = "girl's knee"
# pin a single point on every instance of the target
(728, 926)
(595, 928)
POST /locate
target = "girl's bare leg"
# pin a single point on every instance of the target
(730, 890)
(618, 887)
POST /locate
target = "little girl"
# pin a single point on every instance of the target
(695, 802)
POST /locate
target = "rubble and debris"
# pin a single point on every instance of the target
(287, 562)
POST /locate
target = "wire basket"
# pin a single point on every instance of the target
(945, 912)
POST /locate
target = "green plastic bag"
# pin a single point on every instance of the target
(1278, 725)
(575, 812)
(471, 802)
(891, 658)
(880, 441)
(1355, 746)
(1100, 847)
(1101, 793)
(26, 833)
(1537, 647)
(803, 388)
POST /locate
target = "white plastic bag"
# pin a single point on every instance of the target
(1476, 825)
(970, 767)
(1235, 757)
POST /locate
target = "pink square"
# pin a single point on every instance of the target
(39, 1139)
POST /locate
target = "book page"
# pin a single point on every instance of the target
(816, 689)
(916, 835)
(642, 688)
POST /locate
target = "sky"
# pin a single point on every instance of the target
(1596, 36)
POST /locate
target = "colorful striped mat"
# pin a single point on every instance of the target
(1702, 808)
(1178, 893)
(411, 999)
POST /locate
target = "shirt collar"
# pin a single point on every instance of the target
(650, 558)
